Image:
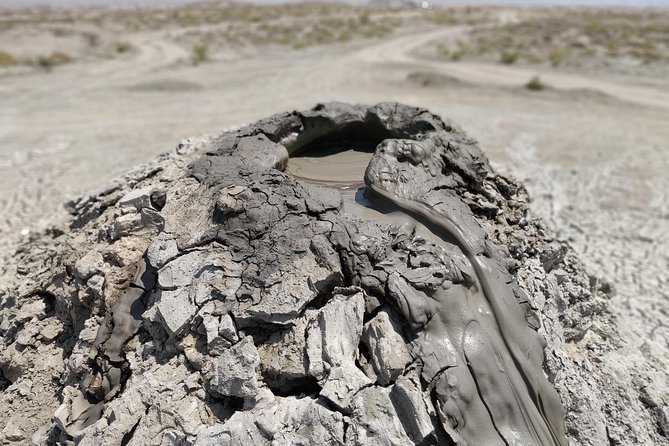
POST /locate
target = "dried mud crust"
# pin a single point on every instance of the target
(210, 298)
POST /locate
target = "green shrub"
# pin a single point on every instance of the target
(375, 31)
(556, 56)
(345, 36)
(508, 57)
(442, 49)
(457, 54)
(535, 84)
(588, 51)
(52, 60)
(534, 58)
(612, 49)
(299, 44)
(7, 60)
(484, 45)
(442, 17)
(123, 47)
(200, 53)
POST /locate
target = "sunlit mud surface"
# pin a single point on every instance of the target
(341, 167)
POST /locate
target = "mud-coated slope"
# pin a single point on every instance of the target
(210, 298)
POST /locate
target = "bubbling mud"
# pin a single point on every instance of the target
(336, 166)
(342, 167)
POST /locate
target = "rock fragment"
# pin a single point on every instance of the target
(161, 250)
(136, 199)
(377, 422)
(333, 336)
(174, 309)
(387, 348)
(413, 410)
(236, 371)
(286, 421)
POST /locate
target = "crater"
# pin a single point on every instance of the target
(338, 160)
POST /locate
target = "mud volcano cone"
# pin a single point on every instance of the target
(343, 275)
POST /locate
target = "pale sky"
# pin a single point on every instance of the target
(106, 3)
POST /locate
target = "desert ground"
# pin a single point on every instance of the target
(572, 101)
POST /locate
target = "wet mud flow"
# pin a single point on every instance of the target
(482, 360)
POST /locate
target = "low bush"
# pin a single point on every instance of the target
(535, 84)
(52, 60)
(123, 47)
(200, 53)
(7, 60)
(508, 57)
(556, 56)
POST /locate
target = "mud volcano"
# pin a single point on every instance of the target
(256, 288)
(467, 326)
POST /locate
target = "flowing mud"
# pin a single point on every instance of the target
(498, 357)
(492, 379)
(238, 291)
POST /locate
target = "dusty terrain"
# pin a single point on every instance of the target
(84, 97)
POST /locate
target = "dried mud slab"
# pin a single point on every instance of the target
(233, 293)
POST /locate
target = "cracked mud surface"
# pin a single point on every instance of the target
(210, 297)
